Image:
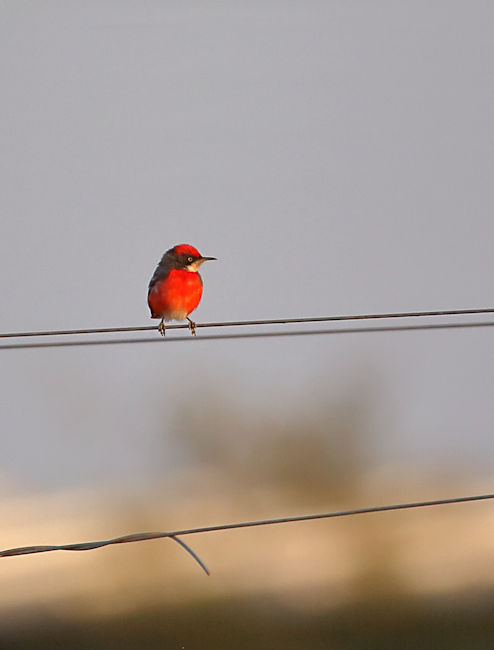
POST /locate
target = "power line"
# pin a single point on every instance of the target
(244, 323)
(141, 537)
(247, 335)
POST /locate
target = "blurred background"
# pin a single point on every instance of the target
(337, 158)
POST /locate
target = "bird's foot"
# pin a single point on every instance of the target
(192, 326)
(162, 328)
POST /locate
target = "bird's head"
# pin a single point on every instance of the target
(184, 256)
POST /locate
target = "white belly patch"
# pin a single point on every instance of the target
(176, 315)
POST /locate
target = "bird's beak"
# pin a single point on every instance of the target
(195, 265)
(198, 262)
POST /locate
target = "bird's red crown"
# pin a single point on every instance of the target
(187, 249)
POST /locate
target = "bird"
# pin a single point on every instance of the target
(175, 289)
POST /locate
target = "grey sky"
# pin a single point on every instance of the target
(337, 157)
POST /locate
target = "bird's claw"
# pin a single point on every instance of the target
(192, 327)
(162, 328)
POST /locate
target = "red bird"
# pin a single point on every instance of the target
(175, 289)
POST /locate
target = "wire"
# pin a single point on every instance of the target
(140, 537)
(276, 321)
(246, 335)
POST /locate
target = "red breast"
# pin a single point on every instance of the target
(176, 295)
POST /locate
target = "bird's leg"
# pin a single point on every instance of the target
(192, 326)
(162, 327)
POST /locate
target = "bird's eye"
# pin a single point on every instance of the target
(190, 260)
